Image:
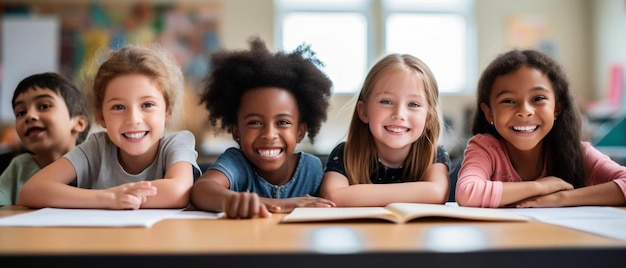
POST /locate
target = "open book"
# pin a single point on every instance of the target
(401, 213)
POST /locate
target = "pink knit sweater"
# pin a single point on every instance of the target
(486, 165)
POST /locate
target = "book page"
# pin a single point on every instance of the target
(50, 217)
(410, 211)
(600, 220)
(303, 214)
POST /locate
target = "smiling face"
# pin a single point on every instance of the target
(134, 113)
(522, 107)
(268, 129)
(396, 111)
(43, 122)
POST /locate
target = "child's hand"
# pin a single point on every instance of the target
(245, 205)
(287, 205)
(545, 201)
(553, 184)
(131, 195)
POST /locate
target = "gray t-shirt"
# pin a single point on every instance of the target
(97, 166)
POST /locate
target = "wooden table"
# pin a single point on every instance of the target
(268, 243)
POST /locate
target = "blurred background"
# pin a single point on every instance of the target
(456, 38)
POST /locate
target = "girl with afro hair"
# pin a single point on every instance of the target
(268, 102)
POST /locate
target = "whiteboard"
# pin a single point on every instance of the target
(29, 45)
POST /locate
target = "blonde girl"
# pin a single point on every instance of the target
(391, 153)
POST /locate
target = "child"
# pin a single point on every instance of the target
(391, 153)
(47, 125)
(132, 164)
(527, 149)
(268, 102)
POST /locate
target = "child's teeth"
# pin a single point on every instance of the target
(272, 152)
(136, 135)
(525, 128)
(396, 129)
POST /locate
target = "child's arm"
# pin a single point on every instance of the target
(476, 186)
(173, 190)
(286, 205)
(211, 193)
(605, 194)
(605, 184)
(513, 192)
(434, 189)
(48, 188)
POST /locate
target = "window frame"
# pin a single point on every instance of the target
(376, 13)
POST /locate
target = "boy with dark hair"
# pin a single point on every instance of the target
(50, 119)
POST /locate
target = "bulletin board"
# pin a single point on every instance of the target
(29, 45)
(188, 29)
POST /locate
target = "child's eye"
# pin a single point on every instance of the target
(148, 105)
(385, 101)
(117, 107)
(283, 123)
(509, 101)
(44, 106)
(539, 98)
(20, 113)
(414, 105)
(254, 123)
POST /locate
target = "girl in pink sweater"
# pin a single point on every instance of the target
(526, 150)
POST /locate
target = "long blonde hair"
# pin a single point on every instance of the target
(360, 156)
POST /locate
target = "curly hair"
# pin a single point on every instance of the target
(563, 140)
(236, 72)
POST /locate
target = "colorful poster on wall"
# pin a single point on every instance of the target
(531, 31)
(189, 30)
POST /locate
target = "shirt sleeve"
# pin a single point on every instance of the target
(86, 159)
(600, 168)
(233, 165)
(443, 157)
(8, 184)
(335, 160)
(474, 187)
(181, 147)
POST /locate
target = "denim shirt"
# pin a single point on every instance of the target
(242, 177)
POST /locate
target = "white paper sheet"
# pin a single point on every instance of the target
(600, 220)
(199, 215)
(49, 217)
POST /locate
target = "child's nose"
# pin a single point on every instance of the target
(269, 132)
(31, 115)
(399, 113)
(134, 116)
(525, 109)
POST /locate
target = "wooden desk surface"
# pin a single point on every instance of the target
(270, 238)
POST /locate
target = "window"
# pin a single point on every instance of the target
(339, 39)
(336, 30)
(350, 35)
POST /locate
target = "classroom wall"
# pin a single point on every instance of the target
(587, 35)
(608, 36)
(570, 20)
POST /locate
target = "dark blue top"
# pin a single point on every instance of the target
(383, 173)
